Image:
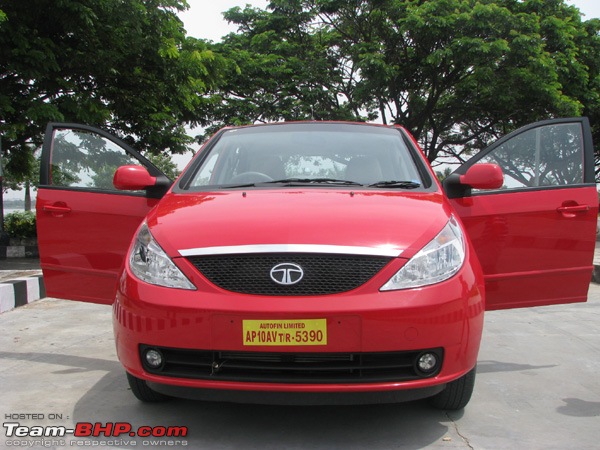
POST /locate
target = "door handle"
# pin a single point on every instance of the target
(56, 208)
(572, 210)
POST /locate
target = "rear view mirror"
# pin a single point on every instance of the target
(483, 176)
(133, 178)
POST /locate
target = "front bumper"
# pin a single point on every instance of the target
(446, 316)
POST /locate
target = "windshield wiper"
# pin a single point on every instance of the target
(294, 182)
(397, 184)
(331, 181)
(328, 181)
(234, 186)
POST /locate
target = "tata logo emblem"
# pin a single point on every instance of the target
(287, 274)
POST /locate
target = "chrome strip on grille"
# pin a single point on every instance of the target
(384, 250)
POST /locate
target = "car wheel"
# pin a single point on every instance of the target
(142, 392)
(457, 393)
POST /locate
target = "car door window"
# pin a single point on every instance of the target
(549, 155)
(83, 159)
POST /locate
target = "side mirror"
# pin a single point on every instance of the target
(483, 176)
(133, 178)
(479, 176)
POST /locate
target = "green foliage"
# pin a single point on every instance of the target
(456, 73)
(26, 175)
(282, 69)
(442, 175)
(126, 66)
(20, 224)
(23, 168)
(165, 164)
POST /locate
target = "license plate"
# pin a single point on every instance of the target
(285, 332)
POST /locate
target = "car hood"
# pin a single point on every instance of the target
(399, 220)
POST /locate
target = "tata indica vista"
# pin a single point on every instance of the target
(314, 262)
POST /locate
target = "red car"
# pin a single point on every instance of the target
(314, 262)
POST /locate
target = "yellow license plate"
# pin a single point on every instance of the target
(285, 332)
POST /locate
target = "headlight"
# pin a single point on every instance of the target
(151, 264)
(437, 261)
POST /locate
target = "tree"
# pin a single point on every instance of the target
(281, 69)
(456, 73)
(26, 176)
(165, 164)
(125, 66)
(442, 175)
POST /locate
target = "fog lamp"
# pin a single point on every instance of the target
(427, 362)
(153, 358)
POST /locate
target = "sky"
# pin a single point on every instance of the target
(204, 19)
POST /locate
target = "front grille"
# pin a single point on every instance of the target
(323, 273)
(291, 367)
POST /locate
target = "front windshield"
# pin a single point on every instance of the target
(306, 153)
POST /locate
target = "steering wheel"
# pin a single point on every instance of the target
(250, 177)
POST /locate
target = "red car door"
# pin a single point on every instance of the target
(535, 236)
(84, 224)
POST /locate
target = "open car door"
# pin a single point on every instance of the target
(84, 224)
(534, 236)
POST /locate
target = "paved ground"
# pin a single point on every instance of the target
(19, 264)
(537, 388)
(13, 268)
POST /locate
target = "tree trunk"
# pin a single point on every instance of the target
(27, 196)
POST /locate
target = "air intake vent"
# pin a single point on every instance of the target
(292, 367)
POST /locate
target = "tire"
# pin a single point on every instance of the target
(143, 393)
(457, 393)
